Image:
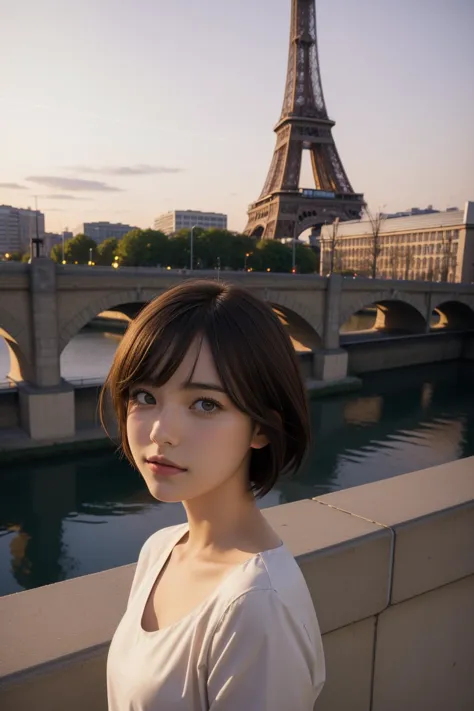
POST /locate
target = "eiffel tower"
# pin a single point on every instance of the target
(283, 209)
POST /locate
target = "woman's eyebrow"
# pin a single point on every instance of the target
(202, 386)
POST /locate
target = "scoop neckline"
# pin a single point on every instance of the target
(183, 529)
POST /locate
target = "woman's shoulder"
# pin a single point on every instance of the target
(158, 542)
(163, 536)
(273, 574)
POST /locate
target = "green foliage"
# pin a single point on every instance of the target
(307, 261)
(76, 250)
(143, 248)
(179, 250)
(271, 254)
(17, 257)
(150, 248)
(106, 252)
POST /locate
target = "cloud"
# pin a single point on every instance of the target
(140, 169)
(53, 181)
(12, 186)
(62, 196)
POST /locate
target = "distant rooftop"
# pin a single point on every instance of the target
(452, 217)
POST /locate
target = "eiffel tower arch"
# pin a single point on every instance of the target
(284, 210)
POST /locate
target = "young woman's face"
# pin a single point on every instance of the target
(198, 428)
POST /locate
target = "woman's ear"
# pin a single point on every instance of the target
(259, 438)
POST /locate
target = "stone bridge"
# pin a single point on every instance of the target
(44, 305)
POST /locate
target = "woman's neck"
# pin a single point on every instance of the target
(224, 519)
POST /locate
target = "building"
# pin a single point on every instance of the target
(100, 231)
(436, 246)
(185, 219)
(414, 211)
(18, 226)
(51, 239)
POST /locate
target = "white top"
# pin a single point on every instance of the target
(253, 644)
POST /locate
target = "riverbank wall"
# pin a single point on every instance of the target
(369, 356)
(390, 568)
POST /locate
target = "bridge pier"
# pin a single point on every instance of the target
(46, 402)
(331, 362)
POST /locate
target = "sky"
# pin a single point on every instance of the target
(123, 110)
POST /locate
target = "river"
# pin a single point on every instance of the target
(70, 516)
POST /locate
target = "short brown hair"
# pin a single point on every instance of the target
(254, 357)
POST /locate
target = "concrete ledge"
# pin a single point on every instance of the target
(16, 446)
(74, 618)
(389, 566)
(348, 570)
(322, 388)
(432, 515)
(349, 655)
(430, 637)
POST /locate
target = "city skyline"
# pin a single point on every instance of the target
(100, 131)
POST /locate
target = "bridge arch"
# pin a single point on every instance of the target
(258, 231)
(302, 325)
(454, 315)
(299, 330)
(393, 314)
(14, 337)
(115, 300)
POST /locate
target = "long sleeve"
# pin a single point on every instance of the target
(261, 657)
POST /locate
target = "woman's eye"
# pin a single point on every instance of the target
(142, 397)
(209, 406)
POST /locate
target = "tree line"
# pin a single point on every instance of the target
(211, 249)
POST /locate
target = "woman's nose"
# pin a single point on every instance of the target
(165, 427)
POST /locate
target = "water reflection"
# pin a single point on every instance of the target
(60, 519)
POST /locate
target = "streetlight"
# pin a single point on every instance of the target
(91, 263)
(293, 265)
(192, 245)
(36, 242)
(245, 262)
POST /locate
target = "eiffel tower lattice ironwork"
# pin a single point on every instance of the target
(283, 209)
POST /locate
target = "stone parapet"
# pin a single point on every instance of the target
(390, 567)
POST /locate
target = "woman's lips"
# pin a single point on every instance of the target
(163, 469)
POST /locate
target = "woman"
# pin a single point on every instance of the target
(212, 410)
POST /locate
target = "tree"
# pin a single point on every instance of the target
(408, 257)
(106, 252)
(143, 248)
(306, 260)
(333, 245)
(179, 250)
(395, 260)
(76, 250)
(448, 256)
(17, 256)
(375, 247)
(271, 254)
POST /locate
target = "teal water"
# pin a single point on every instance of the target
(76, 515)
